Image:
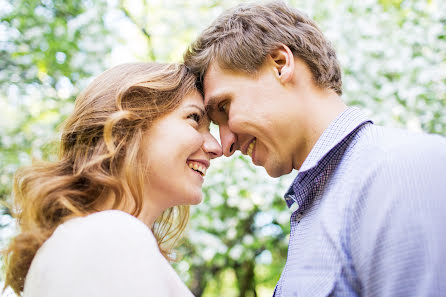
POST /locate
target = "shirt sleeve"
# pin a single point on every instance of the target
(398, 245)
(109, 254)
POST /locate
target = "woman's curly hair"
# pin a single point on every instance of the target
(100, 161)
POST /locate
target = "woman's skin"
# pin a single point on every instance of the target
(178, 149)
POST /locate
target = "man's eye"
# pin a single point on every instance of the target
(195, 116)
(223, 107)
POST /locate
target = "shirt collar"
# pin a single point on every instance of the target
(340, 128)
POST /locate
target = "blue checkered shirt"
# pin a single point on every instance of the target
(371, 215)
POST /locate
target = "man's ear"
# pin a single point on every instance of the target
(282, 60)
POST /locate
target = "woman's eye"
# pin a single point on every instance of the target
(195, 116)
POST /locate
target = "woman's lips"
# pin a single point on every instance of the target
(200, 166)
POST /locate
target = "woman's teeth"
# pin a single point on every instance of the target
(197, 167)
(251, 147)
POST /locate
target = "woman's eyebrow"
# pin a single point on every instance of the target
(197, 107)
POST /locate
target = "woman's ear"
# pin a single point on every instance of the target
(282, 60)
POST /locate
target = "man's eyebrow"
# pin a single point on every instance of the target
(212, 102)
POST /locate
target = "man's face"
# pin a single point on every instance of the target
(253, 116)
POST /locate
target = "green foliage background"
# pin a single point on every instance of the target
(394, 63)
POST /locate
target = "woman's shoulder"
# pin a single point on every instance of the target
(101, 228)
(102, 245)
(104, 224)
(104, 231)
(115, 218)
(108, 253)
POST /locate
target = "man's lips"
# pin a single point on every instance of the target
(245, 148)
(251, 147)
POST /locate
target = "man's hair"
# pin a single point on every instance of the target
(241, 38)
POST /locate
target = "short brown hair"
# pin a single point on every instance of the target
(241, 38)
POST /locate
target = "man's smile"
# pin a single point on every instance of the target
(251, 147)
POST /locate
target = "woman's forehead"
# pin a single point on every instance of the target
(194, 98)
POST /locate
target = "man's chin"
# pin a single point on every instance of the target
(276, 171)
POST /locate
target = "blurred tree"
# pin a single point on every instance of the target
(47, 51)
(393, 54)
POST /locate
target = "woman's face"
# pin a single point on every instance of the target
(179, 148)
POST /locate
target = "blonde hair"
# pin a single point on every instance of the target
(100, 161)
(241, 38)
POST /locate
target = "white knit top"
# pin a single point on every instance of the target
(106, 254)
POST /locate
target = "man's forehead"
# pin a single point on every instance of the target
(211, 85)
(217, 83)
(216, 69)
(210, 79)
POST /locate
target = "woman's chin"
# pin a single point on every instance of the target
(196, 200)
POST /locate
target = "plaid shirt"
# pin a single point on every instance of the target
(371, 215)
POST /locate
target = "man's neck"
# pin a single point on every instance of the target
(321, 110)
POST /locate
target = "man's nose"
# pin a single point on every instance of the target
(211, 146)
(228, 140)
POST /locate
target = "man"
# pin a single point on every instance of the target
(371, 214)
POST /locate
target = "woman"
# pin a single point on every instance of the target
(132, 157)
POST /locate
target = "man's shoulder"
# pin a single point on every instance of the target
(396, 167)
(378, 143)
(398, 204)
(386, 160)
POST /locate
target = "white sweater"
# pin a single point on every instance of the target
(106, 254)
